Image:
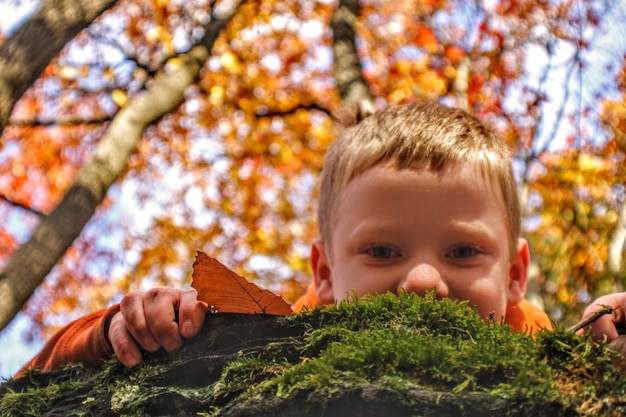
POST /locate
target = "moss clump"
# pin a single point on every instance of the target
(36, 393)
(35, 401)
(407, 342)
(387, 355)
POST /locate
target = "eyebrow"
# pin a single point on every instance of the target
(472, 227)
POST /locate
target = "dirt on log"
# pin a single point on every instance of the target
(388, 355)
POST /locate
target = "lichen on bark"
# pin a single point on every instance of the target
(386, 355)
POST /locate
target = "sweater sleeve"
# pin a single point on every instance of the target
(82, 341)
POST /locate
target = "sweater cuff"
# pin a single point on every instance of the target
(101, 335)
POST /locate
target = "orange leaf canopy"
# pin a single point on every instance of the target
(226, 292)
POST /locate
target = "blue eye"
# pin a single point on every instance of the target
(462, 252)
(382, 252)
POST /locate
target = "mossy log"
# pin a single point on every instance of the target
(388, 355)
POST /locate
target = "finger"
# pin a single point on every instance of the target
(604, 327)
(619, 347)
(123, 343)
(132, 309)
(159, 304)
(619, 316)
(191, 313)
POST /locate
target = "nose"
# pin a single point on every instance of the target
(424, 278)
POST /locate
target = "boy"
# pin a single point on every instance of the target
(417, 197)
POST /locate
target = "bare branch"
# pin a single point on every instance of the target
(69, 121)
(24, 56)
(348, 70)
(22, 206)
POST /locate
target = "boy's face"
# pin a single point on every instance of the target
(422, 230)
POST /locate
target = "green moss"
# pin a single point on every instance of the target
(404, 351)
(34, 401)
(407, 342)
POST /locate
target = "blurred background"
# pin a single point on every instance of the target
(202, 125)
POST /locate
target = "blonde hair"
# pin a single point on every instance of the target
(417, 135)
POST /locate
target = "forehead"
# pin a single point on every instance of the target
(454, 189)
(467, 175)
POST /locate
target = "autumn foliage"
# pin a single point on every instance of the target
(232, 171)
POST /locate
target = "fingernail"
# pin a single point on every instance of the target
(172, 346)
(134, 359)
(187, 328)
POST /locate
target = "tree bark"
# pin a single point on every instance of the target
(348, 72)
(616, 245)
(34, 259)
(24, 55)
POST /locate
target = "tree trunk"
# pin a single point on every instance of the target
(353, 88)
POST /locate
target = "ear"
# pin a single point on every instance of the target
(322, 273)
(518, 274)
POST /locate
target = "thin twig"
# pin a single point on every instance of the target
(591, 319)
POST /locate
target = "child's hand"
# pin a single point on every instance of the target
(146, 319)
(608, 324)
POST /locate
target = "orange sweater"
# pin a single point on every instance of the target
(85, 340)
(82, 341)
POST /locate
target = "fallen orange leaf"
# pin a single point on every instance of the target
(226, 292)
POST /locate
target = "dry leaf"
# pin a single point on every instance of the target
(226, 292)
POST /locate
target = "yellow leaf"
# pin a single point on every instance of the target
(563, 295)
(119, 97)
(590, 163)
(216, 95)
(231, 63)
(286, 155)
(63, 305)
(108, 74)
(431, 83)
